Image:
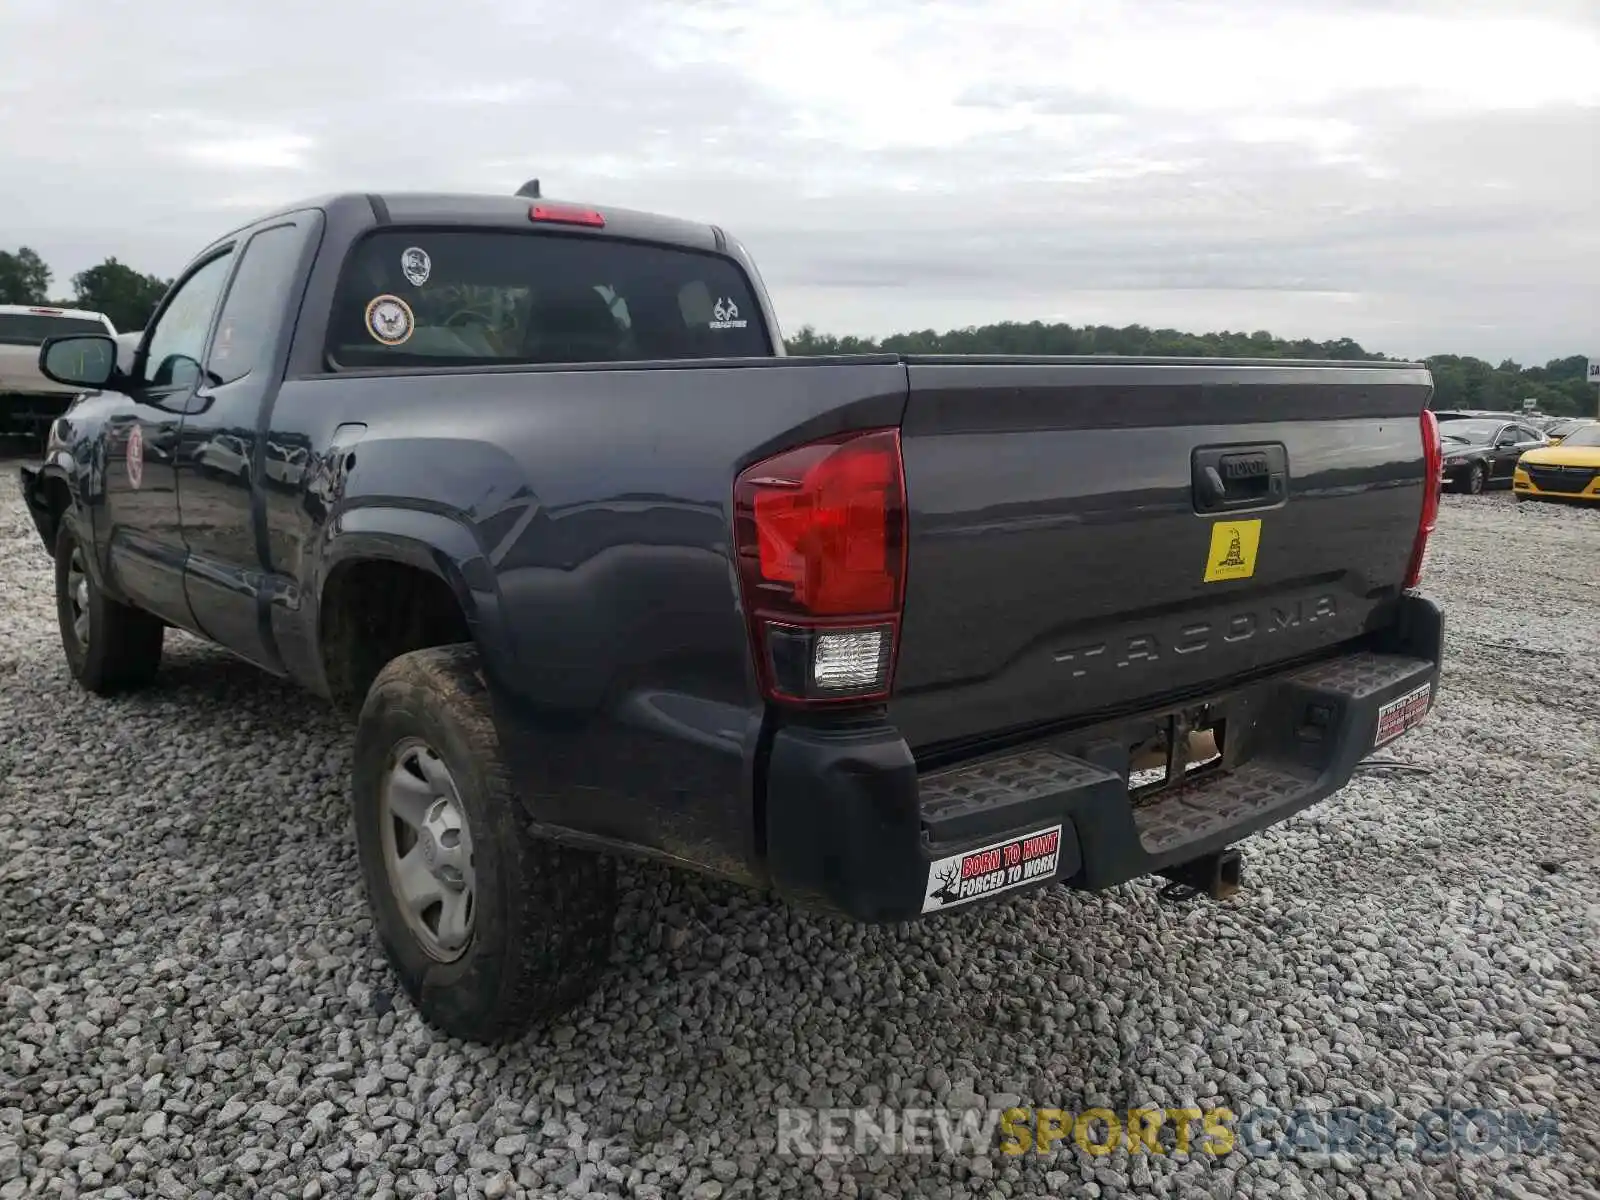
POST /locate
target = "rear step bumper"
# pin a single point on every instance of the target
(853, 826)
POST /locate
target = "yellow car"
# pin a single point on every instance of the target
(1570, 471)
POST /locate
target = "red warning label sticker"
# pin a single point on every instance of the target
(974, 874)
(1401, 713)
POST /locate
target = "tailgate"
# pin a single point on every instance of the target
(1088, 537)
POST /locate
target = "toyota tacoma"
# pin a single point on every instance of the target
(532, 490)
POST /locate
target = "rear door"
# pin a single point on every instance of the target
(1528, 438)
(1088, 537)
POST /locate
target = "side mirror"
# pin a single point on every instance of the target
(83, 360)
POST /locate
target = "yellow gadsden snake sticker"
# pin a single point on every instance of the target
(1233, 550)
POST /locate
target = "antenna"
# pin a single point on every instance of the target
(529, 189)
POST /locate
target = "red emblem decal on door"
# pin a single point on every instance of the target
(136, 457)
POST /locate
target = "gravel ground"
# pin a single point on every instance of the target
(191, 1001)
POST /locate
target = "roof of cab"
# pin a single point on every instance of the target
(512, 212)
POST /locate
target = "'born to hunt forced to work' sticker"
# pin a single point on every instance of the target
(1401, 713)
(974, 874)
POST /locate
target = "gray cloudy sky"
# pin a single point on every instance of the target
(1423, 177)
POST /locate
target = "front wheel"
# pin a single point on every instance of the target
(488, 928)
(1477, 479)
(110, 647)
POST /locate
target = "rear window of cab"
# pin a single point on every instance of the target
(486, 298)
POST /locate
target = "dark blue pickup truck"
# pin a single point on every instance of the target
(533, 489)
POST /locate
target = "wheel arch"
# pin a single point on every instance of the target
(393, 580)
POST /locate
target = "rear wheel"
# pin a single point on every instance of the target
(110, 647)
(489, 928)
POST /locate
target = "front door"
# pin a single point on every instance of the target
(221, 453)
(1508, 448)
(145, 552)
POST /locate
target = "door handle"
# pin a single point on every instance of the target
(1227, 478)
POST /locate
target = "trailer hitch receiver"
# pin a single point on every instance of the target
(1217, 875)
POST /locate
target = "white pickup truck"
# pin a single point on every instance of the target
(29, 401)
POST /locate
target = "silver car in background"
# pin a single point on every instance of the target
(29, 401)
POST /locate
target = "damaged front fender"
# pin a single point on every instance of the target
(36, 496)
(50, 489)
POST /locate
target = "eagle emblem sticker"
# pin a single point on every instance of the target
(1233, 550)
(415, 265)
(135, 457)
(389, 320)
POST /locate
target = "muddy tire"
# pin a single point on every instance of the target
(110, 647)
(490, 929)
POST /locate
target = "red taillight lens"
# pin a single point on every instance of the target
(1433, 482)
(820, 534)
(823, 520)
(566, 214)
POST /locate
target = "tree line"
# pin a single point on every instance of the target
(125, 295)
(1460, 381)
(129, 297)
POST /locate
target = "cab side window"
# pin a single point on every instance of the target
(244, 331)
(177, 341)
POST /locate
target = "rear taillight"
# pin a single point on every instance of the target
(820, 535)
(1433, 483)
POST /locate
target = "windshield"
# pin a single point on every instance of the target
(1563, 428)
(1469, 432)
(31, 329)
(1584, 435)
(482, 298)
